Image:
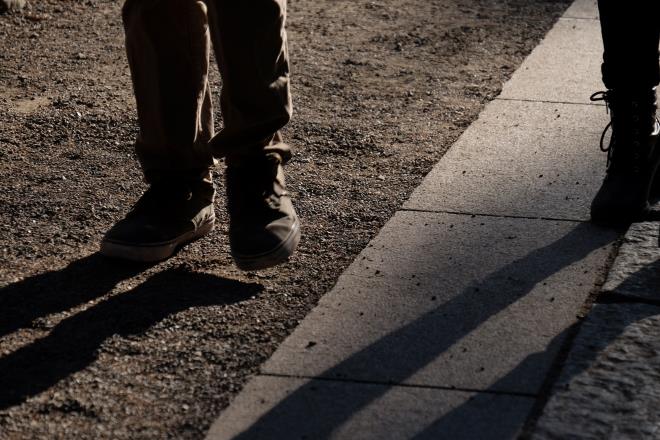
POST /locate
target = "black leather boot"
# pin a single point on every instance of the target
(632, 156)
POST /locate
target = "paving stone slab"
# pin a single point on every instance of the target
(521, 159)
(585, 9)
(636, 270)
(451, 300)
(609, 387)
(288, 408)
(564, 67)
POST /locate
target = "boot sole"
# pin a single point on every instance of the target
(149, 253)
(276, 256)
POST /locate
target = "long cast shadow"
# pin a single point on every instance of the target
(56, 291)
(407, 350)
(73, 343)
(461, 418)
(577, 362)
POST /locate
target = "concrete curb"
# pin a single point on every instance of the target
(609, 387)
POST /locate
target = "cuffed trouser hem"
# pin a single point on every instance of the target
(152, 159)
(237, 152)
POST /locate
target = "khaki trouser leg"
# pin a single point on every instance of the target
(167, 42)
(250, 44)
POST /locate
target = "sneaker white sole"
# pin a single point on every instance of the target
(273, 257)
(154, 251)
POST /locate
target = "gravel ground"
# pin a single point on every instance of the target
(91, 348)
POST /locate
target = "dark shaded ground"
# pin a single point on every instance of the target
(98, 349)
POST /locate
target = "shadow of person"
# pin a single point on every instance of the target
(467, 421)
(73, 343)
(397, 356)
(587, 348)
(59, 290)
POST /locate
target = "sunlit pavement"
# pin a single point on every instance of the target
(462, 319)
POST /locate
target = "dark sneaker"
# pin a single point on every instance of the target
(167, 216)
(633, 155)
(264, 229)
(11, 5)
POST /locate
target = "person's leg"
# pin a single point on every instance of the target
(168, 43)
(250, 44)
(631, 36)
(631, 72)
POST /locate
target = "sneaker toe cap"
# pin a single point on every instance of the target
(247, 241)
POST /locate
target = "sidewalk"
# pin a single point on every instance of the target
(451, 322)
(609, 387)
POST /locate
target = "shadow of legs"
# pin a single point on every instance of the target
(71, 345)
(51, 292)
(398, 355)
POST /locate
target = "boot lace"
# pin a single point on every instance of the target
(632, 124)
(603, 95)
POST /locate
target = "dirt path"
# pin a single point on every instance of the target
(98, 349)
